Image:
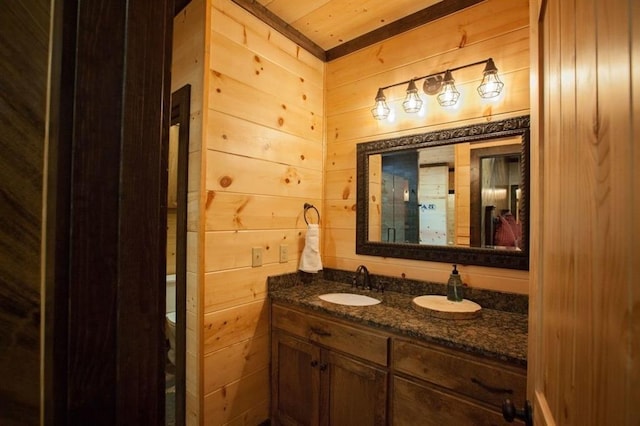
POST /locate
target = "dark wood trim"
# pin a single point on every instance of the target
(104, 352)
(58, 212)
(24, 60)
(179, 6)
(180, 114)
(274, 21)
(437, 11)
(142, 212)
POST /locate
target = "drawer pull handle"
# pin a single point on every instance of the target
(491, 388)
(320, 332)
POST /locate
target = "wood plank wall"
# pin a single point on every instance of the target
(263, 159)
(188, 67)
(24, 50)
(495, 28)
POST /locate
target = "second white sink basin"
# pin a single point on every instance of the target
(441, 307)
(349, 299)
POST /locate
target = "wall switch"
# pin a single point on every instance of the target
(284, 253)
(256, 256)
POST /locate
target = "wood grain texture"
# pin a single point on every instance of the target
(357, 342)
(316, 377)
(585, 317)
(226, 327)
(24, 50)
(188, 67)
(295, 380)
(257, 36)
(472, 26)
(264, 138)
(236, 361)
(468, 375)
(351, 84)
(237, 399)
(413, 401)
(233, 287)
(343, 28)
(106, 198)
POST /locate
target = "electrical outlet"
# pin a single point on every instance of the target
(284, 253)
(256, 256)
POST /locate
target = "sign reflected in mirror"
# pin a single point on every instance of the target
(456, 195)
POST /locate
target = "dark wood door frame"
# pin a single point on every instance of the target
(106, 212)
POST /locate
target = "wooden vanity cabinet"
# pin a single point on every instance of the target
(295, 380)
(317, 379)
(327, 371)
(433, 385)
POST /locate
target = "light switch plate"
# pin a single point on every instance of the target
(256, 256)
(284, 253)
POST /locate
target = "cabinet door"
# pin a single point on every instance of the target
(353, 393)
(416, 403)
(295, 381)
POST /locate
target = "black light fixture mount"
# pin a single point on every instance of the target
(441, 84)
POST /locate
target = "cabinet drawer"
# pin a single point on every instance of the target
(414, 403)
(332, 334)
(468, 375)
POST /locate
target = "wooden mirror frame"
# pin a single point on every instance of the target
(510, 259)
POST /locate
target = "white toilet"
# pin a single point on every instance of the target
(170, 323)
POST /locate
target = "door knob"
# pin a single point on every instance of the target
(510, 412)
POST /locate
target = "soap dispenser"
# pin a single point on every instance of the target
(454, 286)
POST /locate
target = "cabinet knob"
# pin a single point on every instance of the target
(314, 363)
(510, 412)
(323, 367)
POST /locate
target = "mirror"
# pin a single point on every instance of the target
(176, 267)
(458, 195)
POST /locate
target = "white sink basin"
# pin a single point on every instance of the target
(349, 299)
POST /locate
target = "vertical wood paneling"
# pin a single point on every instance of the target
(492, 28)
(585, 299)
(634, 299)
(24, 50)
(106, 213)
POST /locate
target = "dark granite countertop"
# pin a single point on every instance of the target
(496, 334)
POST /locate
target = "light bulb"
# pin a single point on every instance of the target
(450, 94)
(380, 111)
(412, 102)
(491, 85)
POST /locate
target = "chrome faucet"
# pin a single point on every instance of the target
(366, 280)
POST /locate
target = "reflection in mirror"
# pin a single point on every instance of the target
(176, 266)
(496, 217)
(457, 195)
(170, 324)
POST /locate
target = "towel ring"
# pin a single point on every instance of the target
(308, 206)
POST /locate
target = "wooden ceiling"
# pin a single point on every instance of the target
(333, 28)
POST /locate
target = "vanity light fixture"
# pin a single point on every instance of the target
(441, 84)
(491, 84)
(449, 95)
(381, 110)
(412, 102)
